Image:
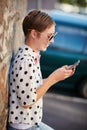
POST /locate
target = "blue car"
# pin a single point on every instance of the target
(69, 45)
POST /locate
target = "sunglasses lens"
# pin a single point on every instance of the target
(51, 38)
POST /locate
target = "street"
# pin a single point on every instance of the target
(64, 112)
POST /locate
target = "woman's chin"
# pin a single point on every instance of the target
(44, 49)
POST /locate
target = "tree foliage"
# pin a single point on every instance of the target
(81, 3)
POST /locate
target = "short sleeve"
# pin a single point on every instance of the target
(24, 80)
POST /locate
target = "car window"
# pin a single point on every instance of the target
(85, 47)
(70, 38)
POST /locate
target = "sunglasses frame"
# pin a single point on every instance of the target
(53, 36)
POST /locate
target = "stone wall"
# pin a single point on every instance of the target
(11, 36)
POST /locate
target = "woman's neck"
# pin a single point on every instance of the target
(32, 45)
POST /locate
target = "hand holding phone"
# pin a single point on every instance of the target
(74, 65)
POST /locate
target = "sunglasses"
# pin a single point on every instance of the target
(49, 37)
(52, 36)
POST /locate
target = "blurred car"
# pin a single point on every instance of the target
(69, 45)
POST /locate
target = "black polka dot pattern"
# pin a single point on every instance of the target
(25, 78)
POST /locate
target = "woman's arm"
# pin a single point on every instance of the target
(58, 75)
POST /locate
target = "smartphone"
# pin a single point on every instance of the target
(74, 65)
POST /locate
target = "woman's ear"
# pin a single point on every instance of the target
(33, 33)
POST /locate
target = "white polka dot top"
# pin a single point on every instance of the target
(25, 77)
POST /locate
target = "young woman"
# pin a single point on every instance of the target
(27, 87)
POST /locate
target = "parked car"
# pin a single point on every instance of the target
(69, 45)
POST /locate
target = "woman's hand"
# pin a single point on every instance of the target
(62, 73)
